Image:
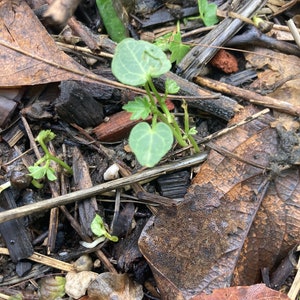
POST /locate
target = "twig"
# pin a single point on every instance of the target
(294, 31)
(250, 96)
(101, 188)
(46, 260)
(232, 126)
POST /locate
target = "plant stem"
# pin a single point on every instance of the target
(194, 144)
(169, 118)
(187, 127)
(156, 113)
(48, 156)
(161, 101)
(62, 163)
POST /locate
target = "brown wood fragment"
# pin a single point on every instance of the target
(249, 95)
(88, 207)
(116, 128)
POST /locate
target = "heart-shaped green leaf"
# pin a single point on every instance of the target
(150, 144)
(135, 62)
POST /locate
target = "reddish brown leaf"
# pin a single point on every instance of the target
(196, 246)
(257, 292)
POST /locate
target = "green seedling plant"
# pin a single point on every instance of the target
(207, 13)
(173, 42)
(42, 167)
(136, 63)
(99, 230)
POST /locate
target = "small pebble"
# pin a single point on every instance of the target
(112, 172)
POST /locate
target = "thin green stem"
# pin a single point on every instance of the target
(194, 144)
(170, 118)
(176, 134)
(161, 101)
(62, 163)
(187, 127)
(152, 101)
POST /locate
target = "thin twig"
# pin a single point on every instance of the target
(101, 188)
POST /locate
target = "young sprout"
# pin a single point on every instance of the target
(99, 230)
(42, 167)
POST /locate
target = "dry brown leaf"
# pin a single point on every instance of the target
(196, 246)
(29, 55)
(257, 292)
(282, 72)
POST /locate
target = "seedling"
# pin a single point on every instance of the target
(98, 228)
(172, 42)
(42, 167)
(136, 63)
(207, 13)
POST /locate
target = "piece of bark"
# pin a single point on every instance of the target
(116, 128)
(76, 106)
(222, 107)
(88, 207)
(14, 232)
(196, 60)
(251, 96)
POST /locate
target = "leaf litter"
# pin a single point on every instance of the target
(236, 217)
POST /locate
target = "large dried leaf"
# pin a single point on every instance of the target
(196, 246)
(29, 55)
(257, 292)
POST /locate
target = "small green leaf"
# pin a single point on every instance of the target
(135, 62)
(37, 172)
(202, 6)
(51, 174)
(210, 15)
(192, 131)
(171, 86)
(163, 42)
(150, 144)
(97, 226)
(178, 50)
(140, 108)
(45, 136)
